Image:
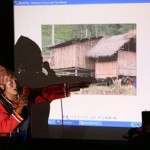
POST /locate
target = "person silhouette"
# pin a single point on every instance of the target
(29, 71)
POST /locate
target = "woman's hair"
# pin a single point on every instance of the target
(5, 75)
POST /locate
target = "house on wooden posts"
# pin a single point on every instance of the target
(69, 58)
(114, 56)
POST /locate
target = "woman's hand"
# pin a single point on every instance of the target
(22, 102)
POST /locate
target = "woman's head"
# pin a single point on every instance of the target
(7, 80)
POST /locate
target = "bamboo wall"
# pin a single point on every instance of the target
(124, 65)
(105, 69)
(73, 55)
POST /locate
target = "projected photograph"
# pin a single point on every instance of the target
(102, 54)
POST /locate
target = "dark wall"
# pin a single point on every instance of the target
(6, 34)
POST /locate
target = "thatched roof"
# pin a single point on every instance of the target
(109, 45)
(72, 41)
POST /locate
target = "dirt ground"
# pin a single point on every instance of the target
(107, 90)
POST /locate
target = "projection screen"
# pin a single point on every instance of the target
(102, 43)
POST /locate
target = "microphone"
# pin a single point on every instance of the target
(22, 95)
(20, 90)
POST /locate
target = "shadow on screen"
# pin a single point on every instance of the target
(31, 71)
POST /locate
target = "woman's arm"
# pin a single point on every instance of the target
(8, 122)
(48, 93)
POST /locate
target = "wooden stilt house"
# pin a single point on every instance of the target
(114, 56)
(69, 58)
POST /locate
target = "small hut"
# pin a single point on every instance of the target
(114, 56)
(69, 58)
